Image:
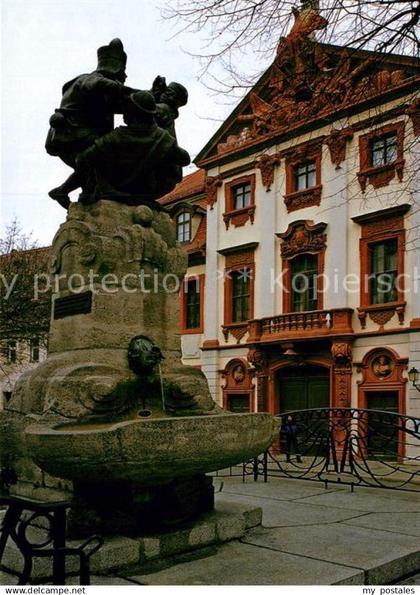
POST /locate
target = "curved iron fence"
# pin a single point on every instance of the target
(351, 446)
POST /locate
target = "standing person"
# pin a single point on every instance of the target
(86, 113)
(288, 437)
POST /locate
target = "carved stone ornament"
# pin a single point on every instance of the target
(414, 112)
(384, 224)
(257, 358)
(237, 330)
(267, 164)
(211, 187)
(308, 81)
(238, 374)
(303, 152)
(341, 352)
(336, 143)
(381, 317)
(310, 197)
(81, 246)
(382, 314)
(240, 217)
(303, 236)
(382, 366)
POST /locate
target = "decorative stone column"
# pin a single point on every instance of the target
(259, 360)
(341, 351)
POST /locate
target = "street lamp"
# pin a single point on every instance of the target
(414, 377)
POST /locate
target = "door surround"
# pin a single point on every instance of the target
(382, 375)
(382, 371)
(238, 376)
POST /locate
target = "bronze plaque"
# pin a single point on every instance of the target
(78, 303)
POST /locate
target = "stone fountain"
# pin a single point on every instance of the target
(113, 409)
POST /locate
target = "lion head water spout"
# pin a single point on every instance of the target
(143, 357)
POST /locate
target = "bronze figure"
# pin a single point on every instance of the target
(135, 164)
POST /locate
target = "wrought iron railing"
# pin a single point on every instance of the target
(251, 467)
(348, 446)
(38, 530)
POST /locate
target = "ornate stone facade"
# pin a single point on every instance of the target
(337, 143)
(267, 164)
(303, 236)
(310, 80)
(212, 184)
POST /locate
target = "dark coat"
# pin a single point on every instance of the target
(86, 112)
(290, 429)
(142, 161)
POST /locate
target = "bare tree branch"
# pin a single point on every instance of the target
(235, 29)
(23, 313)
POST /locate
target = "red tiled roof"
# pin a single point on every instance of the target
(199, 241)
(190, 185)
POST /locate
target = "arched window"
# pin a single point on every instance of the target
(183, 227)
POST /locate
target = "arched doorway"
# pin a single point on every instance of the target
(302, 387)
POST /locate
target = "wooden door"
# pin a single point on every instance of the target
(305, 387)
(382, 439)
(238, 402)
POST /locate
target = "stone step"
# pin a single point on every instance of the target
(230, 520)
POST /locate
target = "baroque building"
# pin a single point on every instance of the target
(302, 227)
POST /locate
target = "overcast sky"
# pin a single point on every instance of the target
(45, 43)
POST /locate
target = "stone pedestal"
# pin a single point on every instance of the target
(129, 509)
(116, 271)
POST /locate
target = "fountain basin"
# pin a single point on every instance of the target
(149, 451)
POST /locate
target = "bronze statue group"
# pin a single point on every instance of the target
(134, 164)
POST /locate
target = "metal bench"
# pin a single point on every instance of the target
(23, 513)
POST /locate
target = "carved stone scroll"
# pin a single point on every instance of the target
(337, 142)
(211, 187)
(267, 164)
